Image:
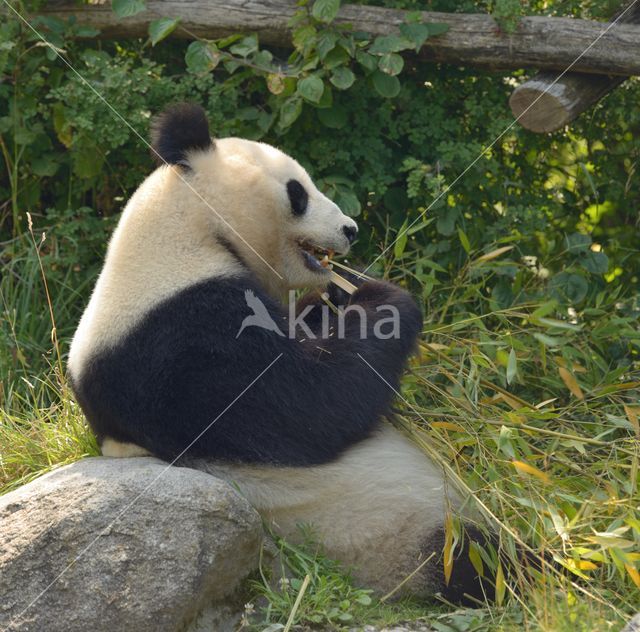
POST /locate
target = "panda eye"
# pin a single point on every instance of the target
(298, 197)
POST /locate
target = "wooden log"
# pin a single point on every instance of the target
(546, 103)
(472, 39)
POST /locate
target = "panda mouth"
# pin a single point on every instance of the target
(316, 258)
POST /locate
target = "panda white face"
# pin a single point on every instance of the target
(276, 211)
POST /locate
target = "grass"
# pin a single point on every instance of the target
(533, 410)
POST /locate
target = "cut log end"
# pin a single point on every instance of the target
(540, 109)
(546, 104)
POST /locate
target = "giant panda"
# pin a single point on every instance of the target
(160, 366)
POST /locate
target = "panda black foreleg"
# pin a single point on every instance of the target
(326, 393)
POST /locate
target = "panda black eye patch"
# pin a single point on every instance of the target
(298, 197)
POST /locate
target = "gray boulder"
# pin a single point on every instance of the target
(121, 544)
(633, 625)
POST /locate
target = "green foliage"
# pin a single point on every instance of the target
(161, 28)
(507, 14)
(127, 8)
(329, 598)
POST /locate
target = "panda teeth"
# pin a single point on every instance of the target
(317, 258)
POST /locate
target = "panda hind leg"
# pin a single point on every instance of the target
(373, 509)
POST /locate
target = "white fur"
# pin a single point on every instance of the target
(118, 449)
(373, 509)
(167, 237)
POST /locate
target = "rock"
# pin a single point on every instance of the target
(121, 544)
(633, 625)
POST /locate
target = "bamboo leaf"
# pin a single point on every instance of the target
(475, 558)
(492, 255)
(527, 468)
(464, 240)
(570, 382)
(448, 548)
(447, 425)
(401, 240)
(512, 367)
(587, 565)
(500, 585)
(632, 416)
(633, 573)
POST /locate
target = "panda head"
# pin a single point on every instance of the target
(258, 198)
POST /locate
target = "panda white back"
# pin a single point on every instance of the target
(160, 363)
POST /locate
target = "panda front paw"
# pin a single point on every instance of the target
(374, 296)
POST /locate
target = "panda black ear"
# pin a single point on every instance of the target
(181, 128)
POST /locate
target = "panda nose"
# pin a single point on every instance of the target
(350, 233)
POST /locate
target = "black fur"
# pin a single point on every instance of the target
(298, 197)
(464, 581)
(179, 368)
(176, 131)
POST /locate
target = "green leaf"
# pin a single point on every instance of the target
(348, 202)
(127, 8)
(502, 293)
(53, 24)
(475, 558)
(365, 600)
(464, 240)
(391, 63)
(446, 223)
(327, 98)
(161, 28)
(326, 41)
(245, 46)
(512, 367)
(263, 59)
(545, 309)
(386, 85)
(416, 33)
(87, 162)
(337, 57)
(45, 165)
(549, 341)
(325, 10)
(389, 44)
(304, 38)
(290, 111)
(595, 262)
(334, 117)
(311, 88)
(87, 31)
(401, 240)
(437, 29)
(569, 286)
(577, 242)
(504, 442)
(227, 41)
(342, 78)
(368, 62)
(201, 57)
(501, 586)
